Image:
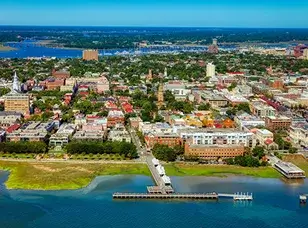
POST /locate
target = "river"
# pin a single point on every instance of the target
(275, 205)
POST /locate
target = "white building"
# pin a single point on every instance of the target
(218, 137)
(299, 134)
(63, 135)
(243, 120)
(210, 70)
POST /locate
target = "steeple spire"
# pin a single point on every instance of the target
(16, 85)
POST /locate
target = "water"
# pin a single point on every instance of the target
(30, 48)
(275, 205)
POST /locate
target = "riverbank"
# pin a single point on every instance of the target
(62, 175)
(44, 175)
(219, 170)
(6, 48)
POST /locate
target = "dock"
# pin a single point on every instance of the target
(197, 196)
(162, 181)
(164, 190)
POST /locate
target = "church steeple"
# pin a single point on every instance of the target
(16, 84)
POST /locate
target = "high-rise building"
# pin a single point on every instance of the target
(90, 55)
(16, 101)
(210, 70)
(160, 95)
(305, 54)
(215, 42)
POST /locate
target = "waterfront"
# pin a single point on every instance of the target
(275, 204)
(33, 49)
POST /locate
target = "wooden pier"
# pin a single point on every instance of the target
(191, 196)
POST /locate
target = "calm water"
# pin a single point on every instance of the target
(275, 205)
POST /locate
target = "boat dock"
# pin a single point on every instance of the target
(164, 190)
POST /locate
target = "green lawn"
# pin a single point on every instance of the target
(219, 170)
(61, 175)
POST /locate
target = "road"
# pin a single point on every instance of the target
(140, 149)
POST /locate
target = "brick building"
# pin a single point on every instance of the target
(213, 152)
(274, 123)
(169, 139)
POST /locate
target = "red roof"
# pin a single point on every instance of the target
(12, 128)
(268, 141)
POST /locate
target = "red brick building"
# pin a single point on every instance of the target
(213, 152)
(274, 123)
(169, 139)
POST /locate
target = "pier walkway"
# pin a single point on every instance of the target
(161, 186)
(164, 190)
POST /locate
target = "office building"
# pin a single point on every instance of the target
(210, 70)
(90, 55)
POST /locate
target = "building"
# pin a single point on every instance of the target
(160, 95)
(274, 123)
(214, 99)
(16, 101)
(265, 138)
(214, 47)
(89, 135)
(261, 109)
(60, 74)
(289, 170)
(31, 132)
(217, 137)
(134, 122)
(119, 133)
(102, 85)
(115, 117)
(299, 134)
(63, 135)
(305, 54)
(90, 55)
(9, 118)
(213, 152)
(169, 139)
(244, 120)
(210, 70)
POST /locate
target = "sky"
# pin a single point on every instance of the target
(168, 13)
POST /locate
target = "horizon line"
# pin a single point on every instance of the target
(153, 26)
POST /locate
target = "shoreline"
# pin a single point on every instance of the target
(72, 176)
(6, 48)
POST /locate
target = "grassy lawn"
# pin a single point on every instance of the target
(298, 160)
(56, 176)
(219, 170)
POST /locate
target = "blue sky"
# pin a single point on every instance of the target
(203, 13)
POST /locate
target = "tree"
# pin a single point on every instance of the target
(293, 150)
(204, 107)
(258, 151)
(164, 153)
